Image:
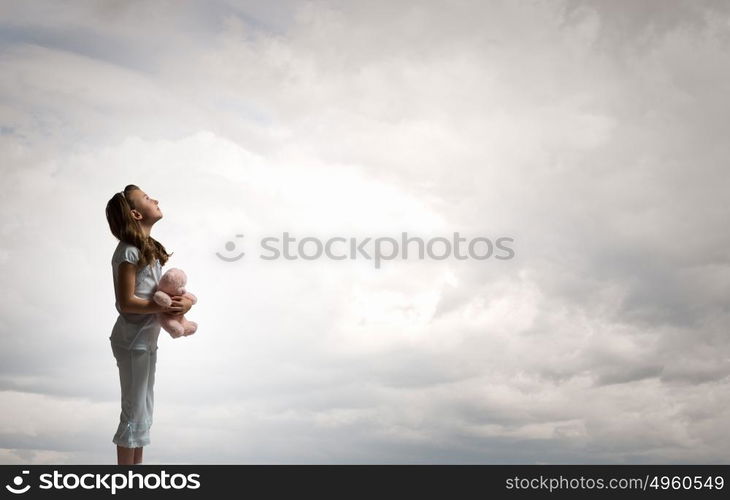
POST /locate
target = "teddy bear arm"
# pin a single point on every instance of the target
(162, 298)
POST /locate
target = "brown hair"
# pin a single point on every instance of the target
(125, 228)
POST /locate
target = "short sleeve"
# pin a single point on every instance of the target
(130, 254)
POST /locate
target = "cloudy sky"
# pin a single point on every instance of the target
(593, 133)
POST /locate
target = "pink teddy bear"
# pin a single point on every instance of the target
(173, 283)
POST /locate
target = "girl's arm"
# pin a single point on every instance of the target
(129, 302)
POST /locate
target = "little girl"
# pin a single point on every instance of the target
(136, 269)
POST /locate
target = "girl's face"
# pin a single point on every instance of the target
(145, 209)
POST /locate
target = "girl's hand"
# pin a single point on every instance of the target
(174, 309)
(180, 305)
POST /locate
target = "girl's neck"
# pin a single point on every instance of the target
(146, 229)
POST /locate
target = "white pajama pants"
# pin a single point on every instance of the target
(137, 380)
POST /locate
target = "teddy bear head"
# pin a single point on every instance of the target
(173, 281)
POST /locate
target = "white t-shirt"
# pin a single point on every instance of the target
(136, 331)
